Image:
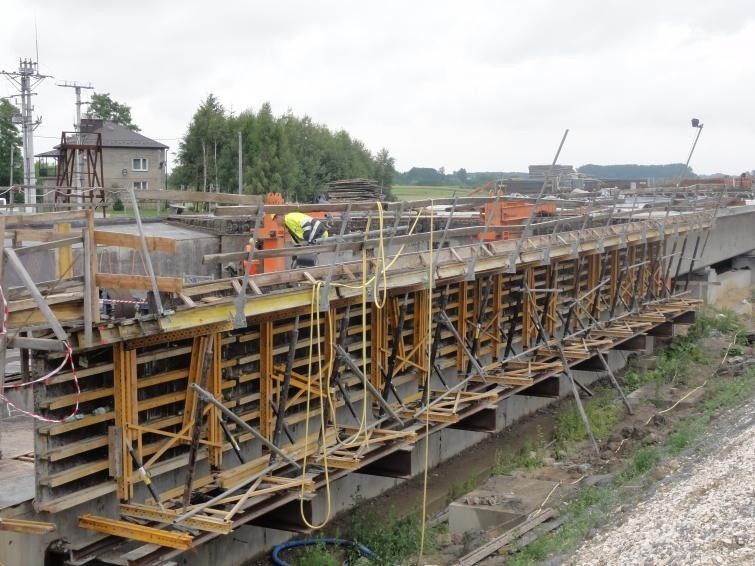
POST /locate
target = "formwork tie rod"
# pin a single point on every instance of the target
(344, 355)
(210, 398)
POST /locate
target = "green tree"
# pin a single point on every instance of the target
(287, 154)
(385, 169)
(102, 106)
(206, 138)
(10, 140)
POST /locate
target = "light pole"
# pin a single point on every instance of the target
(695, 124)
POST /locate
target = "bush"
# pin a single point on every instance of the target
(460, 488)
(602, 412)
(316, 555)
(390, 537)
(673, 361)
(724, 321)
(118, 204)
(643, 460)
(529, 456)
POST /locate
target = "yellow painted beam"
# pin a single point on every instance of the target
(210, 524)
(28, 527)
(65, 261)
(225, 311)
(150, 535)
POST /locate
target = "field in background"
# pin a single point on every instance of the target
(419, 192)
(146, 210)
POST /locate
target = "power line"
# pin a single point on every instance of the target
(25, 80)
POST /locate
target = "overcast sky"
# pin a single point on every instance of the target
(484, 85)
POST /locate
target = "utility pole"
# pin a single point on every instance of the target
(241, 182)
(215, 159)
(77, 162)
(204, 166)
(26, 79)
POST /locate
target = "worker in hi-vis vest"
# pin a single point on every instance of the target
(303, 229)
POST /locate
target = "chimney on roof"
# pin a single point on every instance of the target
(89, 125)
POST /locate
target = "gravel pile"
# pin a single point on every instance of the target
(704, 515)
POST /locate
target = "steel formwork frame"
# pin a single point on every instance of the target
(192, 399)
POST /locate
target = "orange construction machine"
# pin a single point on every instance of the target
(269, 237)
(508, 212)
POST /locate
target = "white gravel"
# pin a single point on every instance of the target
(702, 514)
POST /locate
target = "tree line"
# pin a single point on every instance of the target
(431, 177)
(287, 154)
(630, 172)
(10, 141)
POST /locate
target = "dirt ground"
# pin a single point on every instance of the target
(648, 426)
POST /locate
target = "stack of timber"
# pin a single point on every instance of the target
(353, 190)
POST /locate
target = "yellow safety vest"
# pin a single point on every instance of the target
(295, 223)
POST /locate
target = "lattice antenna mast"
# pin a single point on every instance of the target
(25, 80)
(77, 162)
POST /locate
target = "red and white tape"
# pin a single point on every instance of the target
(68, 358)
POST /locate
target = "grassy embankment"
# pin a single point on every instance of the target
(592, 505)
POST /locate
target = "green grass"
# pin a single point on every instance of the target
(603, 412)
(724, 320)
(461, 488)
(144, 211)
(410, 192)
(641, 463)
(392, 538)
(529, 456)
(316, 555)
(674, 361)
(679, 440)
(593, 505)
(590, 505)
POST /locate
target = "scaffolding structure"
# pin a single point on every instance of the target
(240, 399)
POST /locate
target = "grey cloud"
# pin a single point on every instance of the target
(479, 84)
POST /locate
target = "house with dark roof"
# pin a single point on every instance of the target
(128, 157)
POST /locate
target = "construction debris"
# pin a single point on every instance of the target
(353, 190)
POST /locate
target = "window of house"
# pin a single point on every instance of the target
(140, 164)
(140, 185)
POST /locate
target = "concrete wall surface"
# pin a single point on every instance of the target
(732, 235)
(731, 283)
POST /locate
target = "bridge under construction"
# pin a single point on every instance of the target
(168, 414)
